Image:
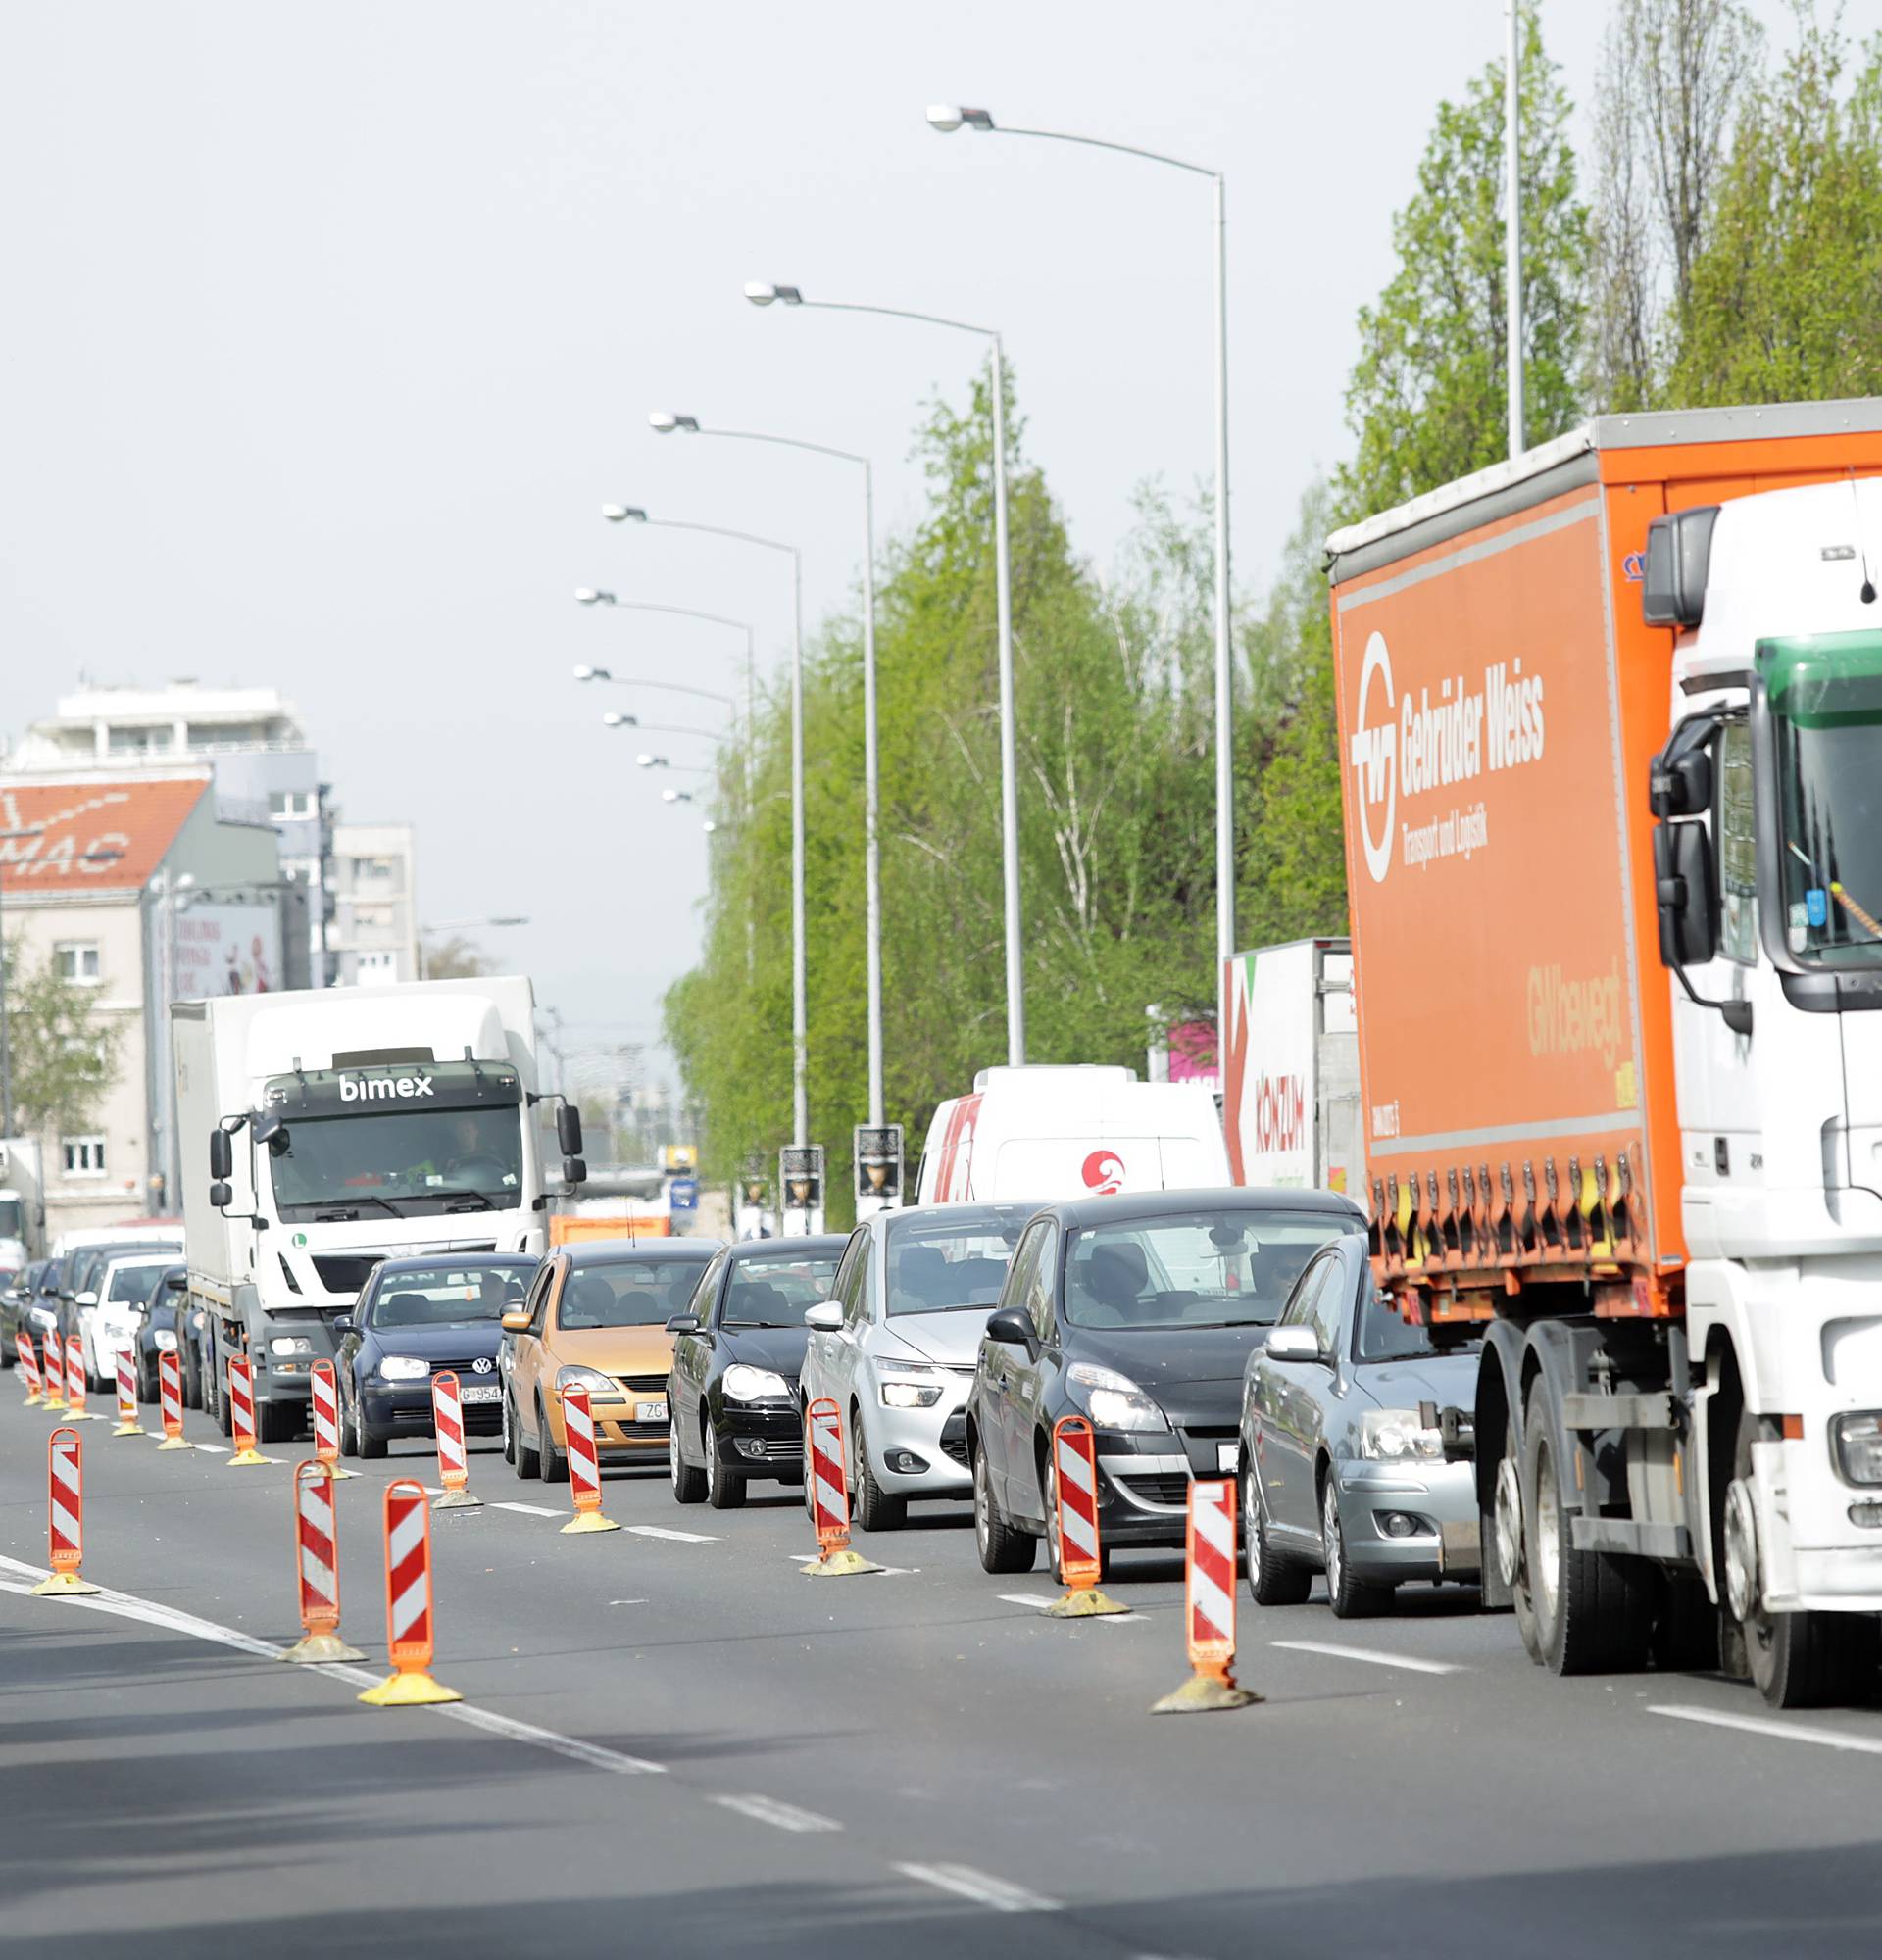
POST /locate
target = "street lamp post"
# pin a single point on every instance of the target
(948, 117)
(763, 293)
(666, 424)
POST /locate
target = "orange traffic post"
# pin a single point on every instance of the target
(241, 1415)
(407, 1602)
(1209, 1616)
(29, 1366)
(324, 1403)
(170, 1396)
(454, 1467)
(823, 1465)
(52, 1395)
(65, 1516)
(76, 1381)
(584, 1463)
(316, 1567)
(128, 1424)
(1074, 1494)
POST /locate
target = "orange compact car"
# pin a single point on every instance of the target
(596, 1315)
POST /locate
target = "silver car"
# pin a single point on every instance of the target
(895, 1348)
(1340, 1473)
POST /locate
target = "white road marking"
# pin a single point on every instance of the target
(1025, 1599)
(979, 1886)
(213, 1449)
(128, 1606)
(1783, 1732)
(529, 1510)
(679, 1536)
(1373, 1655)
(803, 1558)
(768, 1810)
(1040, 1604)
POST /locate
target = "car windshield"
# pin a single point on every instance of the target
(772, 1289)
(1385, 1335)
(1826, 697)
(406, 1162)
(936, 1266)
(446, 1295)
(646, 1292)
(1210, 1268)
(133, 1283)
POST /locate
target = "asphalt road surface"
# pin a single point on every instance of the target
(673, 1742)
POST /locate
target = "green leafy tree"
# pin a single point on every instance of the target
(62, 1057)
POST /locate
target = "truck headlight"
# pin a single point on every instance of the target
(591, 1379)
(402, 1368)
(911, 1385)
(284, 1344)
(1858, 1445)
(1397, 1435)
(166, 1340)
(1112, 1401)
(744, 1384)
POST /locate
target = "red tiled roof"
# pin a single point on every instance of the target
(68, 822)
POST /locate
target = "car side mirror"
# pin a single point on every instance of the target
(1010, 1327)
(222, 1156)
(517, 1321)
(684, 1323)
(825, 1318)
(177, 1282)
(1298, 1343)
(569, 1129)
(343, 1323)
(85, 1299)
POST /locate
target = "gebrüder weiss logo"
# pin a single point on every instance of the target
(1374, 759)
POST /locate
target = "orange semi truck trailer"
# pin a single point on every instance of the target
(1610, 726)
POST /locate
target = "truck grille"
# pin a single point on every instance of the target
(344, 1272)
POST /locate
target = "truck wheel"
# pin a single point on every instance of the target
(225, 1413)
(1002, 1546)
(1506, 1543)
(1593, 1609)
(1272, 1581)
(555, 1465)
(1799, 1660)
(871, 1506)
(1351, 1599)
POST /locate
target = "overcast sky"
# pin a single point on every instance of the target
(330, 326)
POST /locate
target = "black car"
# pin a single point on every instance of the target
(159, 1331)
(731, 1399)
(37, 1314)
(1138, 1313)
(419, 1318)
(19, 1294)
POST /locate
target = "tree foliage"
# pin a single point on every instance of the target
(63, 1057)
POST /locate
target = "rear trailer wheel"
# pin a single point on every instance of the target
(1351, 1599)
(1272, 1581)
(555, 1465)
(873, 1509)
(689, 1483)
(1594, 1609)
(1002, 1546)
(1507, 1544)
(1799, 1660)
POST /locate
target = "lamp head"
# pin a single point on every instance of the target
(624, 514)
(592, 674)
(762, 292)
(666, 422)
(948, 117)
(587, 595)
(614, 718)
(707, 826)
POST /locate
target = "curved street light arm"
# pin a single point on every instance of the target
(1102, 143)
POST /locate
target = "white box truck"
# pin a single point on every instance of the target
(22, 1202)
(341, 1127)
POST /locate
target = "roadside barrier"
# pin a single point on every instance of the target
(316, 1567)
(65, 1516)
(29, 1366)
(51, 1387)
(407, 1602)
(128, 1424)
(454, 1468)
(584, 1464)
(325, 1402)
(241, 1414)
(1208, 1605)
(1081, 1559)
(75, 1379)
(170, 1396)
(823, 1465)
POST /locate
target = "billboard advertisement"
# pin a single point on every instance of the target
(224, 949)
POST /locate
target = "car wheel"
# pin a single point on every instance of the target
(525, 1463)
(146, 1384)
(554, 1464)
(1351, 1599)
(1002, 1546)
(1055, 1546)
(688, 1481)
(192, 1384)
(372, 1447)
(349, 1438)
(724, 1488)
(509, 1434)
(1272, 1581)
(873, 1508)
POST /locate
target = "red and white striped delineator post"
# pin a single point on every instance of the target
(75, 1379)
(454, 1468)
(316, 1567)
(52, 1385)
(241, 1414)
(324, 1402)
(823, 1465)
(128, 1424)
(1210, 1606)
(1081, 1560)
(584, 1463)
(170, 1398)
(407, 1602)
(29, 1365)
(65, 1516)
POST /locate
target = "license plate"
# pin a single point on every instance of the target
(487, 1393)
(650, 1411)
(1228, 1457)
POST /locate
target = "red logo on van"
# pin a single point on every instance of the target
(1104, 1173)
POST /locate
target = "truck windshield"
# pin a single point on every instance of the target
(1826, 697)
(406, 1162)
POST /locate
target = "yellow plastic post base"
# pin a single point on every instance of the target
(1204, 1694)
(340, 1475)
(34, 1400)
(1085, 1602)
(457, 1500)
(130, 1428)
(246, 1459)
(313, 1648)
(90, 1415)
(52, 1407)
(176, 1443)
(63, 1585)
(588, 1521)
(416, 1690)
(844, 1564)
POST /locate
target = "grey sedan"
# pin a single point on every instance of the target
(1339, 1474)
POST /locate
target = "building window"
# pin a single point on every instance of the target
(76, 960)
(286, 806)
(377, 965)
(138, 741)
(85, 1156)
(373, 870)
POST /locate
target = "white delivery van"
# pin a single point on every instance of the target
(1044, 1133)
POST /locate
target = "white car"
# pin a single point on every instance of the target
(895, 1348)
(110, 1324)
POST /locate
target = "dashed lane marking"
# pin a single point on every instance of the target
(529, 1510)
(1783, 1732)
(679, 1536)
(1039, 1605)
(213, 1449)
(768, 1810)
(1373, 1655)
(979, 1886)
(1033, 1600)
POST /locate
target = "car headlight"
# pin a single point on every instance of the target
(166, 1340)
(402, 1368)
(743, 1384)
(1858, 1446)
(591, 1379)
(298, 1344)
(1112, 1401)
(911, 1385)
(1397, 1436)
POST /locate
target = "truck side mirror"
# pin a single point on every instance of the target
(573, 1170)
(220, 1195)
(222, 1158)
(569, 1130)
(1686, 894)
